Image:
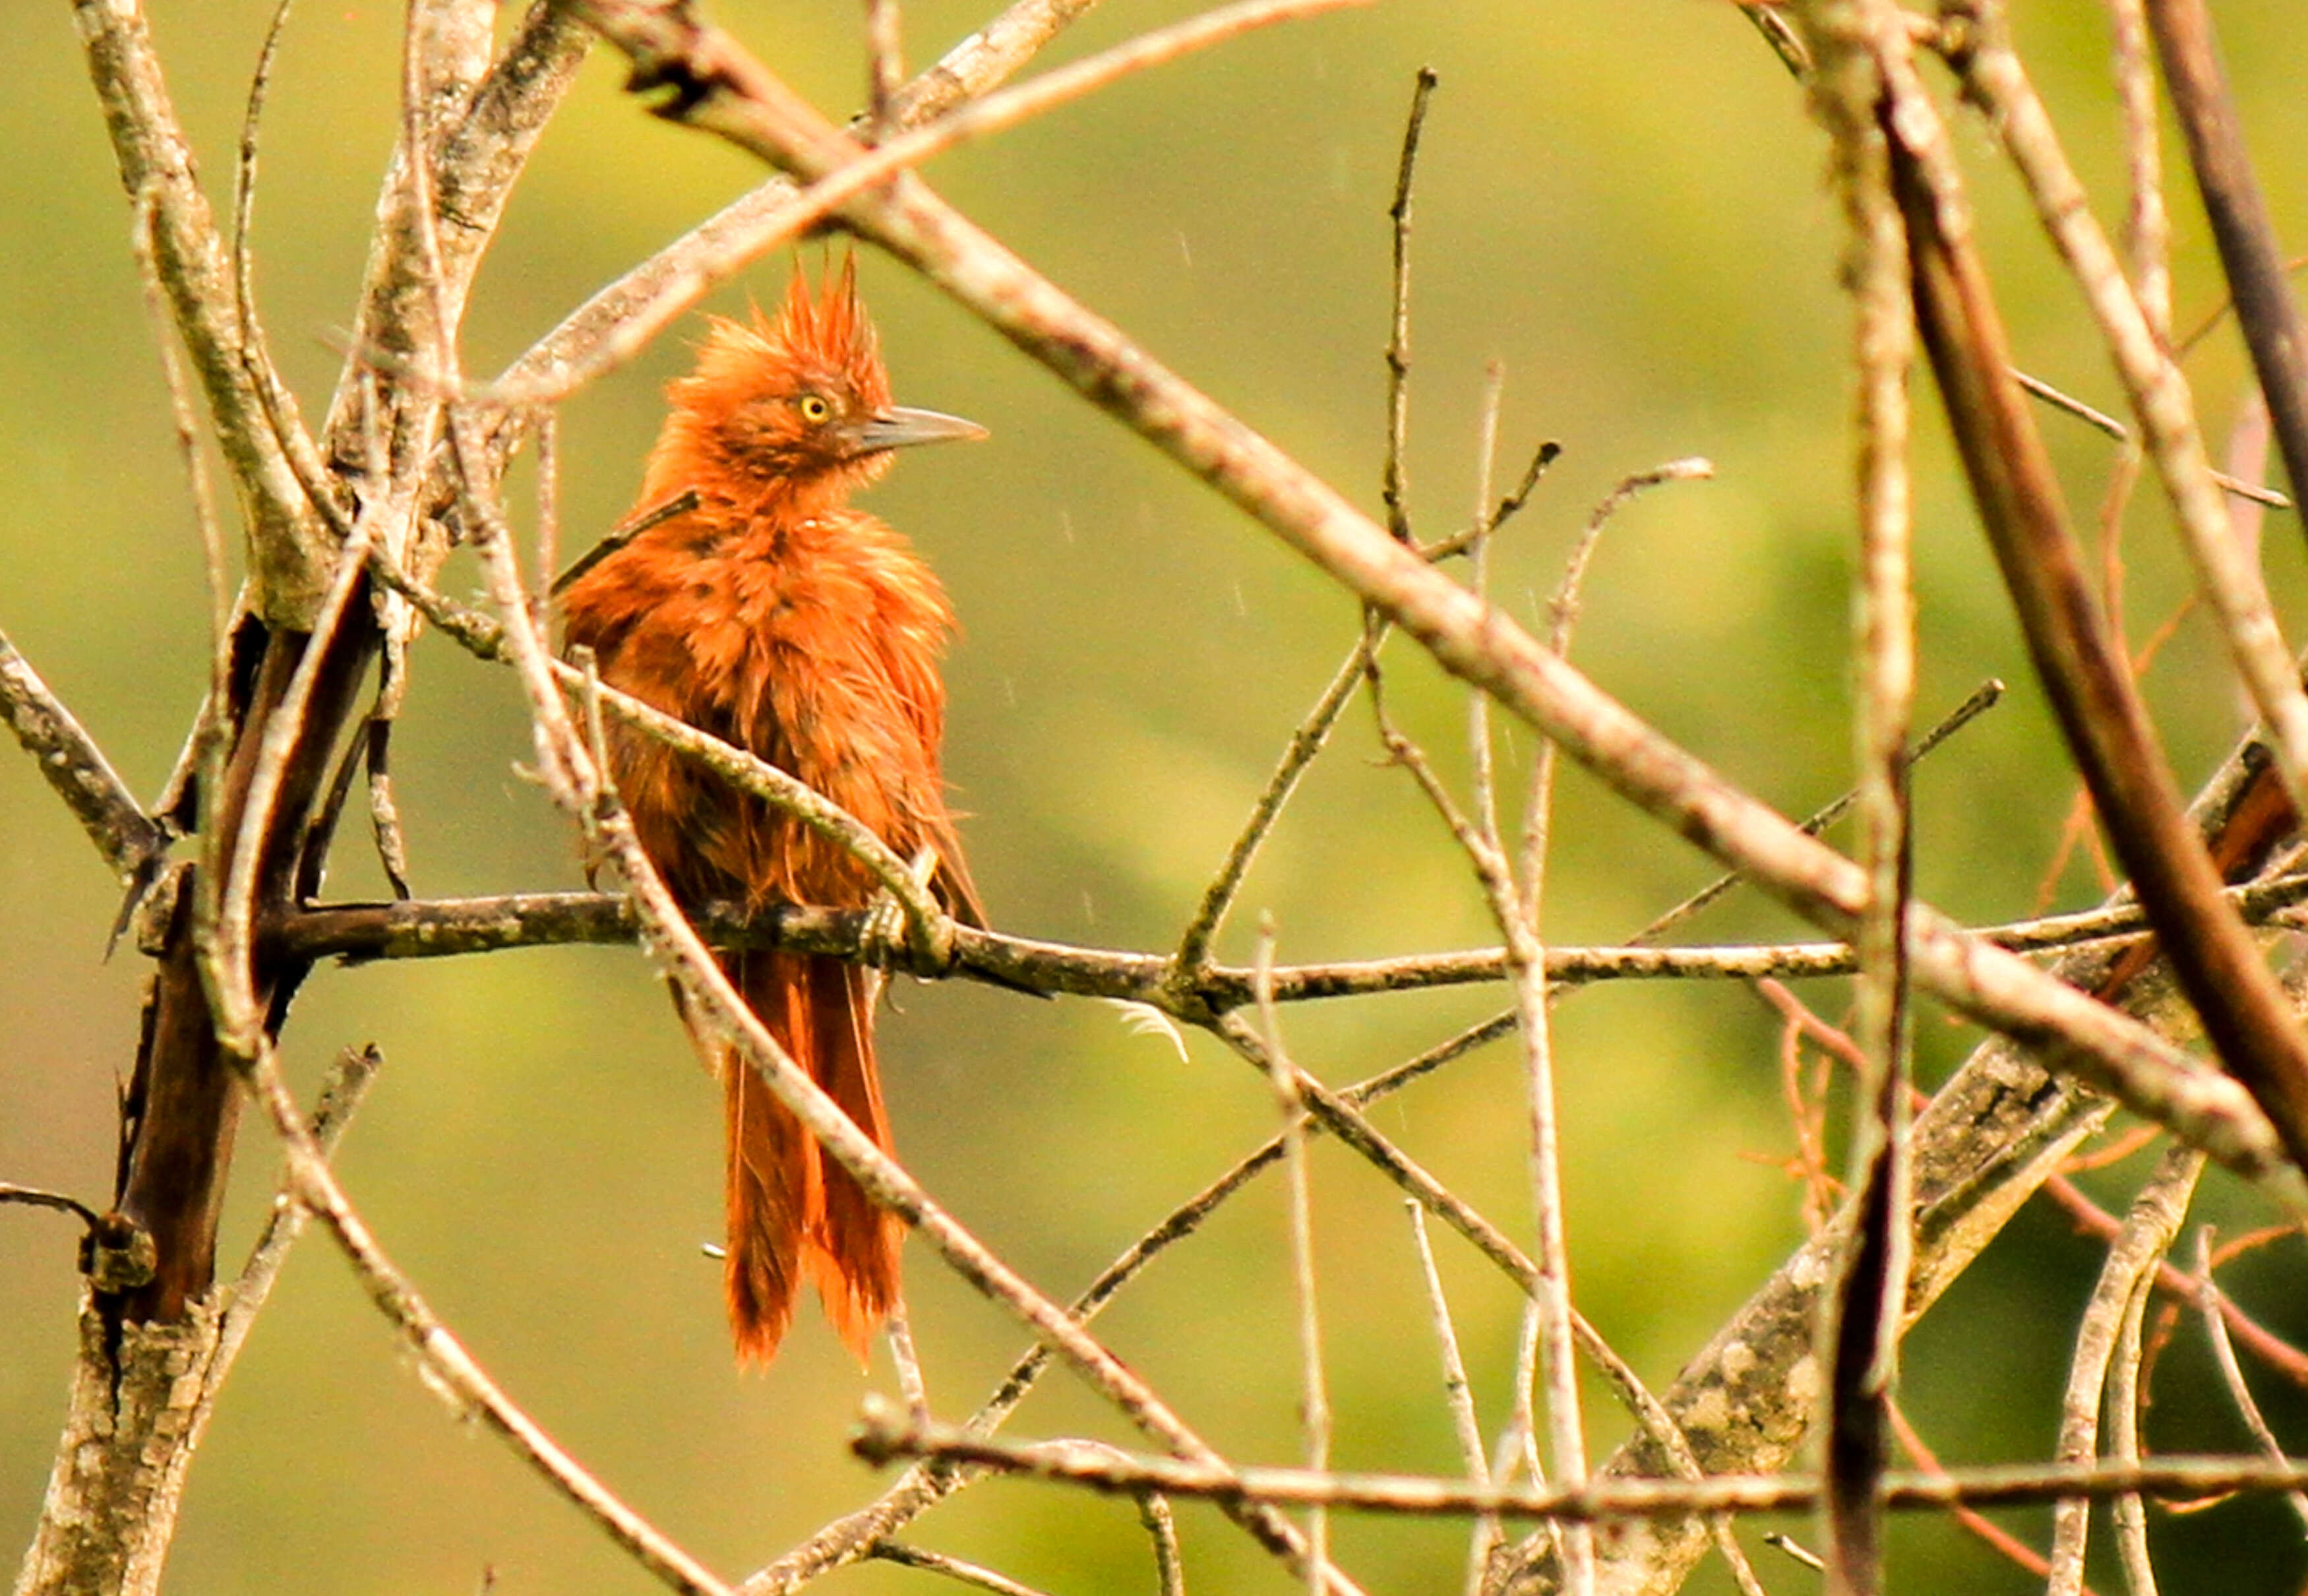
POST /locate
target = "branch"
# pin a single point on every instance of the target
(1860, 1330)
(983, 60)
(2241, 227)
(882, 1434)
(68, 757)
(289, 543)
(2131, 1265)
(2226, 571)
(2085, 669)
(441, 928)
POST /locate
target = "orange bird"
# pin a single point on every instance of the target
(778, 618)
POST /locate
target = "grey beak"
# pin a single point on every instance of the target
(901, 428)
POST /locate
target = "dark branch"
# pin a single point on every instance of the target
(2238, 212)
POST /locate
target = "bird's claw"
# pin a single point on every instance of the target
(889, 939)
(883, 937)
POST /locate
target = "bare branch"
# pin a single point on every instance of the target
(2241, 226)
(1982, 698)
(1458, 1396)
(1394, 486)
(1860, 1328)
(2148, 1231)
(2231, 1372)
(2159, 394)
(1313, 1400)
(1193, 958)
(441, 928)
(953, 1568)
(882, 1437)
(982, 61)
(288, 546)
(76, 768)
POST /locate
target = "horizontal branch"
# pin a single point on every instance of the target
(429, 929)
(883, 1435)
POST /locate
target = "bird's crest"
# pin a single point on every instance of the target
(825, 334)
(835, 328)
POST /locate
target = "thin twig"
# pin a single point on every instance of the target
(547, 430)
(624, 533)
(2127, 1405)
(440, 928)
(2147, 222)
(1394, 482)
(2101, 421)
(885, 64)
(1982, 698)
(1162, 1529)
(1864, 1306)
(1315, 1399)
(2232, 1371)
(1192, 961)
(1482, 767)
(2148, 1231)
(1458, 1396)
(980, 62)
(908, 1364)
(953, 1568)
(33, 1196)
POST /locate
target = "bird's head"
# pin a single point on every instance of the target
(801, 399)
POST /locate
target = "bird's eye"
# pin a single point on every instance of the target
(813, 407)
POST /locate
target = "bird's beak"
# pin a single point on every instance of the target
(901, 428)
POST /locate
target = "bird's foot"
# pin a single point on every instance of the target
(886, 938)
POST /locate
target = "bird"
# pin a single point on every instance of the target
(775, 615)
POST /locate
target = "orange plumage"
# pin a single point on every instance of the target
(778, 618)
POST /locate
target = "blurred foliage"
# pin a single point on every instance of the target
(1623, 203)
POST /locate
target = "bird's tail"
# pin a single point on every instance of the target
(795, 1215)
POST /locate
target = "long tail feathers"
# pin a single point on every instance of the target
(795, 1215)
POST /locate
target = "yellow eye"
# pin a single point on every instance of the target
(813, 407)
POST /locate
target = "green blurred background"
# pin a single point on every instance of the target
(1621, 201)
